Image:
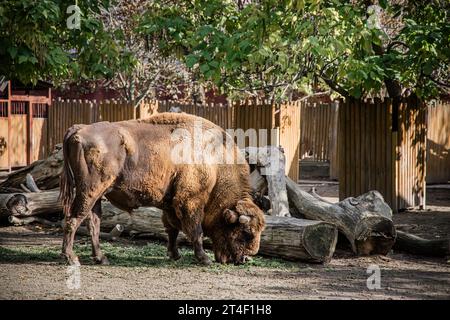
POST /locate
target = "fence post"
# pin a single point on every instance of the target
(333, 141)
(9, 126)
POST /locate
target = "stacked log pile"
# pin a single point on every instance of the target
(300, 225)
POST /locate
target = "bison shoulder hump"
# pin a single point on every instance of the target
(170, 118)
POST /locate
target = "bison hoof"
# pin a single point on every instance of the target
(204, 260)
(101, 260)
(174, 255)
(71, 260)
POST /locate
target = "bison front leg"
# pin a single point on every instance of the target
(195, 235)
(172, 229)
(188, 204)
(192, 228)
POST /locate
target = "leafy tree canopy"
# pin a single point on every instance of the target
(36, 44)
(356, 48)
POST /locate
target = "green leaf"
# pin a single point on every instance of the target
(33, 60)
(204, 68)
(12, 52)
(214, 64)
(23, 59)
(191, 60)
(427, 68)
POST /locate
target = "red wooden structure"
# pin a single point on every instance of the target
(23, 123)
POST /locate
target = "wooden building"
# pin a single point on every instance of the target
(23, 123)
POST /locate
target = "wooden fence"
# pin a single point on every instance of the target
(383, 149)
(303, 129)
(318, 128)
(438, 143)
(281, 122)
(319, 131)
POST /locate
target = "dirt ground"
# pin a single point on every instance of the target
(403, 276)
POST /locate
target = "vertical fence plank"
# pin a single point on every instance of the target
(388, 151)
(375, 157)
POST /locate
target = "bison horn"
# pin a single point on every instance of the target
(230, 216)
(244, 219)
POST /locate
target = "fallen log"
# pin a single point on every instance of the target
(287, 238)
(31, 184)
(112, 235)
(284, 237)
(366, 221)
(27, 220)
(416, 245)
(29, 204)
(115, 232)
(45, 173)
(25, 188)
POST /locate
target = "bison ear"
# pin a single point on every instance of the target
(230, 216)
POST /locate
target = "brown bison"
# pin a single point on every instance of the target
(132, 164)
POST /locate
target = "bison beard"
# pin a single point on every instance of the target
(130, 163)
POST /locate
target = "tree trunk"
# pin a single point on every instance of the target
(258, 183)
(45, 173)
(288, 238)
(416, 245)
(259, 191)
(366, 221)
(270, 162)
(29, 204)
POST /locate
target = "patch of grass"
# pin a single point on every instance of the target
(150, 255)
(29, 254)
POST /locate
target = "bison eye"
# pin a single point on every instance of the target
(247, 235)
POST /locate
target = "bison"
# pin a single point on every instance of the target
(131, 163)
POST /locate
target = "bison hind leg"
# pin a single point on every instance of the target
(170, 224)
(172, 248)
(94, 230)
(82, 208)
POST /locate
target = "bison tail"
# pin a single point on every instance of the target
(67, 180)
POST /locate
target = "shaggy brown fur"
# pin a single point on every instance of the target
(130, 163)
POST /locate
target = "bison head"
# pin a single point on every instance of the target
(239, 233)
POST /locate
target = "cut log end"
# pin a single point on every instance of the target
(17, 205)
(374, 235)
(298, 239)
(116, 231)
(320, 241)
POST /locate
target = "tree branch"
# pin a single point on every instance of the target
(334, 86)
(396, 43)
